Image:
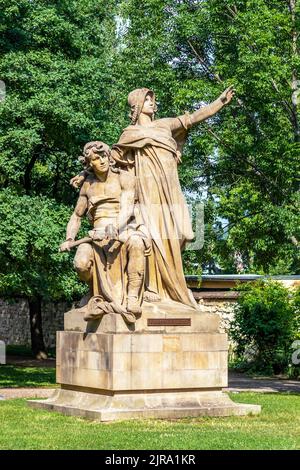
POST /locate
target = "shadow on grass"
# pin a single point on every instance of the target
(17, 376)
(25, 351)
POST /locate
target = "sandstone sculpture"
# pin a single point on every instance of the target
(146, 155)
(171, 360)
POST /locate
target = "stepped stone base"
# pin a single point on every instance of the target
(172, 365)
(156, 404)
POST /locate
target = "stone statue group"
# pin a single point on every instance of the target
(140, 221)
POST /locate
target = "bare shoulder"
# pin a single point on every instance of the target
(86, 184)
(127, 180)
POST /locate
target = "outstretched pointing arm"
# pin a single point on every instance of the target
(211, 109)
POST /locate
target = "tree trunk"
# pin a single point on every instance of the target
(295, 81)
(36, 330)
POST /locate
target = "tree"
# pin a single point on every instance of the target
(55, 59)
(265, 324)
(255, 46)
(245, 161)
(31, 229)
(69, 65)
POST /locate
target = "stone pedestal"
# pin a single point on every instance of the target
(171, 364)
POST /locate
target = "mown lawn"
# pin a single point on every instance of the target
(278, 427)
(19, 376)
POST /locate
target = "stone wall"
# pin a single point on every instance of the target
(15, 328)
(214, 296)
(14, 321)
(223, 308)
(14, 316)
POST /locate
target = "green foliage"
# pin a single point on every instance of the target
(68, 67)
(55, 59)
(266, 322)
(244, 162)
(31, 229)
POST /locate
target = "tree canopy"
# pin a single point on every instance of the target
(244, 163)
(55, 59)
(68, 67)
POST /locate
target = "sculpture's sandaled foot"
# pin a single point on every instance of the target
(129, 317)
(151, 296)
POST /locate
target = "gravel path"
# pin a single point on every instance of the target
(241, 383)
(237, 383)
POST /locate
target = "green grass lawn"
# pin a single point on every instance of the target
(18, 376)
(278, 427)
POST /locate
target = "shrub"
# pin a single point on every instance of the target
(266, 322)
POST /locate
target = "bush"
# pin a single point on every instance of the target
(266, 322)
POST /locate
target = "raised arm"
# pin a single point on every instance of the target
(211, 109)
(75, 221)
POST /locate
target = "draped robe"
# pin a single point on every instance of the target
(153, 151)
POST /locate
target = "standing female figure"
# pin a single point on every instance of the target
(152, 148)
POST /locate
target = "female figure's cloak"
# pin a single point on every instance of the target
(154, 151)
